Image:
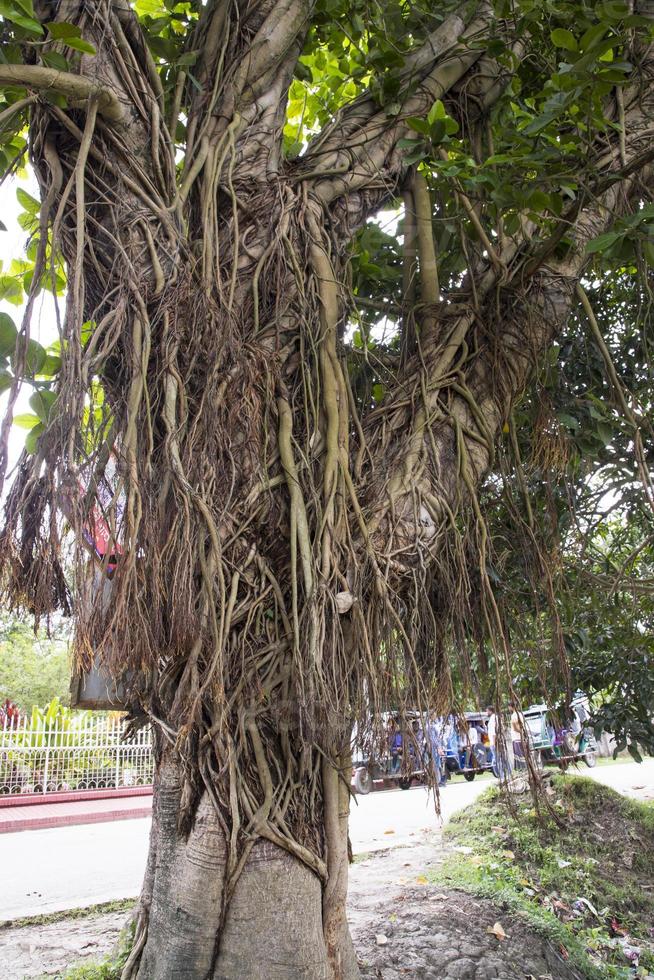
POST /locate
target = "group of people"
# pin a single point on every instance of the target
(429, 748)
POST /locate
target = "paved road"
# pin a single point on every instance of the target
(68, 867)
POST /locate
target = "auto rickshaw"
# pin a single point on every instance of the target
(572, 742)
(397, 758)
(464, 759)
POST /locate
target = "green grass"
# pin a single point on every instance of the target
(535, 869)
(109, 968)
(103, 908)
(621, 760)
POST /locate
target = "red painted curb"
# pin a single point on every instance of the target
(72, 819)
(72, 796)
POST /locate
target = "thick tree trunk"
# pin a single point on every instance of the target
(279, 924)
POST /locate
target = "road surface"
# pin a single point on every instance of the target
(70, 867)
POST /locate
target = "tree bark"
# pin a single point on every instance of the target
(278, 924)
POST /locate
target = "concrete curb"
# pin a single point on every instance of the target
(69, 814)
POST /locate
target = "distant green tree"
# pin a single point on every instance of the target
(33, 669)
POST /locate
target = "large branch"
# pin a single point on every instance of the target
(247, 55)
(358, 151)
(76, 88)
(454, 396)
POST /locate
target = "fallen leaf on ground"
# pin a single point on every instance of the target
(389, 831)
(381, 939)
(498, 830)
(509, 855)
(564, 953)
(497, 931)
(421, 880)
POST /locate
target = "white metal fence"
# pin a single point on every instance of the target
(83, 753)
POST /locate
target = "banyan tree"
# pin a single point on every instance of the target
(283, 408)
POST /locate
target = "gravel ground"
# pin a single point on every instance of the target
(427, 932)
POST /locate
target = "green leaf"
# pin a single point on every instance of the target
(437, 111)
(54, 59)
(32, 438)
(564, 39)
(80, 45)
(34, 358)
(150, 8)
(26, 420)
(17, 13)
(568, 420)
(30, 204)
(41, 402)
(87, 331)
(605, 432)
(594, 34)
(51, 366)
(419, 125)
(8, 334)
(603, 242)
(60, 30)
(11, 290)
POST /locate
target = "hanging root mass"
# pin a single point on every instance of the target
(283, 555)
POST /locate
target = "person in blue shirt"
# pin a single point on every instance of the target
(437, 748)
(395, 744)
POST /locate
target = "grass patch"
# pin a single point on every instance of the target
(587, 887)
(110, 968)
(103, 908)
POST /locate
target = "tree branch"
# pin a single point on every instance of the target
(246, 63)
(467, 377)
(76, 88)
(359, 149)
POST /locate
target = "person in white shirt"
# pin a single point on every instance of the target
(491, 726)
(499, 749)
(472, 740)
(518, 724)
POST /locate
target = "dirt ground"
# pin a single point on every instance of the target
(401, 926)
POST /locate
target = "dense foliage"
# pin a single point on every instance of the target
(33, 669)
